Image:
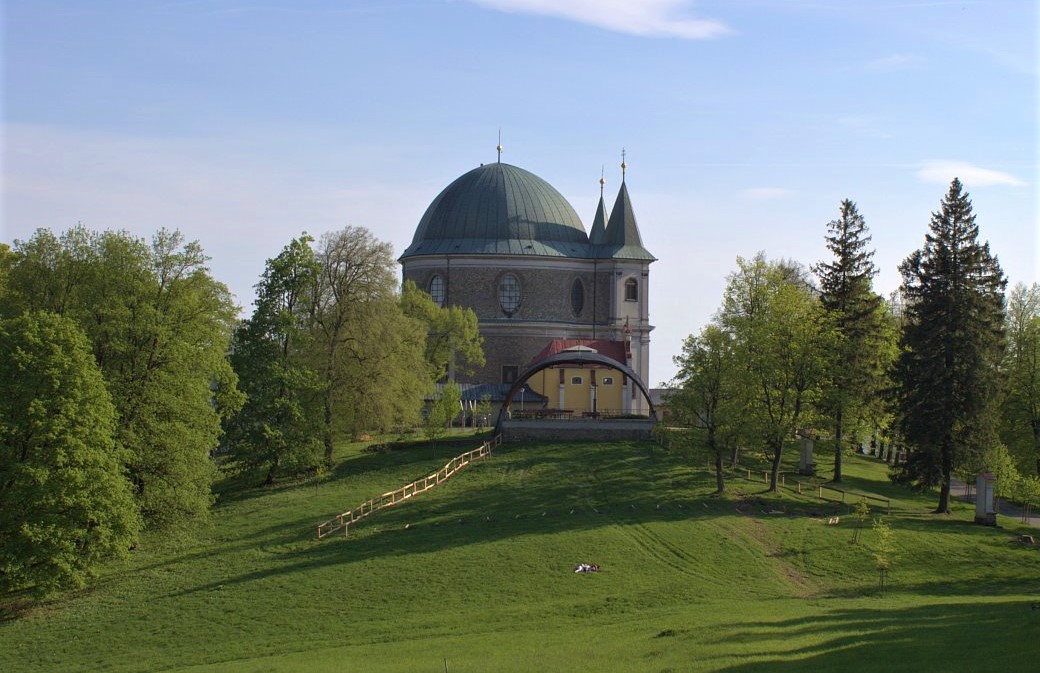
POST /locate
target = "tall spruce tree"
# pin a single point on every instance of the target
(952, 344)
(853, 310)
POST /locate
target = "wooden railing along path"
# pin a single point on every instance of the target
(781, 482)
(372, 505)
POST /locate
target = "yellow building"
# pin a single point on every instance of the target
(588, 390)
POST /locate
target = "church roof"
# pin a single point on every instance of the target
(599, 224)
(496, 392)
(615, 350)
(500, 209)
(622, 240)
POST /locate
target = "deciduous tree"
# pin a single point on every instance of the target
(159, 327)
(65, 502)
(1021, 410)
(706, 393)
(279, 428)
(780, 341)
(452, 336)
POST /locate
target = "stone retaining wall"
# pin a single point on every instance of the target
(577, 430)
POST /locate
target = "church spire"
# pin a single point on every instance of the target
(621, 239)
(598, 234)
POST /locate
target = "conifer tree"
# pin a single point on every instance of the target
(952, 343)
(853, 310)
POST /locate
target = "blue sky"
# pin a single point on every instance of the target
(745, 122)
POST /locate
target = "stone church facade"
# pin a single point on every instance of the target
(506, 244)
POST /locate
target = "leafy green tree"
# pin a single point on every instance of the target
(65, 503)
(952, 344)
(445, 407)
(861, 513)
(855, 312)
(1001, 465)
(1029, 493)
(706, 395)
(279, 428)
(482, 412)
(883, 552)
(1020, 426)
(159, 326)
(452, 336)
(369, 353)
(6, 260)
(380, 374)
(780, 339)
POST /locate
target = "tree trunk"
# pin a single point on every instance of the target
(1036, 444)
(774, 472)
(330, 364)
(328, 429)
(947, 471)
(735, 457)
(720, 484)
(837, 446)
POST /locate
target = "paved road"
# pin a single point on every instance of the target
(1010, 510)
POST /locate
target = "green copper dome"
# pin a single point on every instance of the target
(499, 209)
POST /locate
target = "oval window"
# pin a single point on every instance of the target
(509, 294)
(577, 296)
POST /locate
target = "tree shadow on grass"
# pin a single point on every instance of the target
(944, 637)
(508, 496)
(240, 487)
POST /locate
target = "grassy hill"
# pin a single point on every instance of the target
(477, 576)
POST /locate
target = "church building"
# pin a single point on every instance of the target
(506, 244)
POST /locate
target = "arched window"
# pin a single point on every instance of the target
(631, 290)
(509, 294)
(436, 289)
(577, 296)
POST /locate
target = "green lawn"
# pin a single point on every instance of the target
(477, 576)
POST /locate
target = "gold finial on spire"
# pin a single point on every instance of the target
(623, 164)
(499, 148)
(601, 181)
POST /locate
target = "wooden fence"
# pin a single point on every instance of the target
(372, 505)
(781, 482)
(861, 496)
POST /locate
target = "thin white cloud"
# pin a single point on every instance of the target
(942, 172)
(891, 62)
(863, 125)
(766, 193)
(646, 18)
